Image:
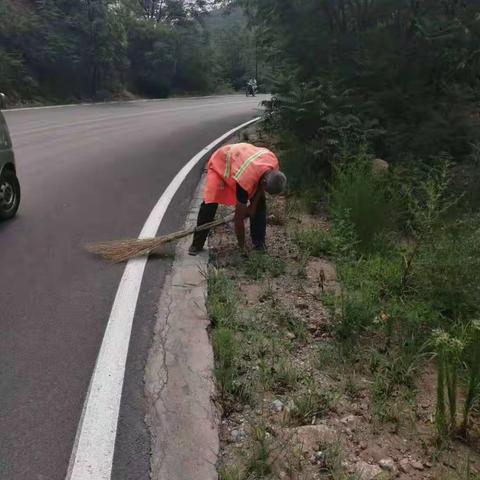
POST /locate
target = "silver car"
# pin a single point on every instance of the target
(9, 185)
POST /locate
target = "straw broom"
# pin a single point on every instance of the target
(119, 251)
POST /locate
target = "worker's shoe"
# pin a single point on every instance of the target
(260, 248)
(194, 250)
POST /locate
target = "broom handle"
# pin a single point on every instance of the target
(215, 223)
(206, 226)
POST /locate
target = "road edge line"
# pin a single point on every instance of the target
(92, 454)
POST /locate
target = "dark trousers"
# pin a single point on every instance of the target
(258, 224)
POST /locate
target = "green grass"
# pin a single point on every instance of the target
(285, 375)
(289, 321)
(365, 199)
(226, 359)
(309, 404)
(232, 472)
(259, 462)
(332, 464)
(351, 387)
(222, 298)
(314, 242)
(260, 265)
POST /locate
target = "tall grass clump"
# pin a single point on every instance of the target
(222, 309)
(364, 198)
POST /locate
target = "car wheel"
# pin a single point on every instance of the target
(9, 195)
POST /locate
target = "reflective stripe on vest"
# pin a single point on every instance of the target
(247, 163)
(228, 166)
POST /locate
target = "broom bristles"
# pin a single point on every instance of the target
(118, 251)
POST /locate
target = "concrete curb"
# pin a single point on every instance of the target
(179, 381)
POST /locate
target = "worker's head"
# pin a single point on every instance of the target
(274, 182)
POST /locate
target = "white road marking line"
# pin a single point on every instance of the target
(92, 456)
(120, 117)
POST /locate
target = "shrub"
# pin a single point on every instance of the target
(364, 199)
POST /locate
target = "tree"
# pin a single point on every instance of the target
(412, 66)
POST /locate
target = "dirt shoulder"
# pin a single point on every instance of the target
(296, 403)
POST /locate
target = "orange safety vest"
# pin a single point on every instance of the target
(240, 163)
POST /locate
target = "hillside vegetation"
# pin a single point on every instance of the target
(57, 50)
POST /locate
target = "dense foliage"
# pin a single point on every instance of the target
(60, 49)
(403, 75)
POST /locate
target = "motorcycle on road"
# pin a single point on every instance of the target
(251, 91)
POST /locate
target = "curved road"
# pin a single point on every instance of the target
(88, 173)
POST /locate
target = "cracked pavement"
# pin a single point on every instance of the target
(179, 374)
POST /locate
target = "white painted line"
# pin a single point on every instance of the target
(92, 456)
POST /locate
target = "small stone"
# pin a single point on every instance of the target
(388, 464)
(404, 465)
(363, 445)
(416, 465)
(348, 419)
(291, 336)
(277, 406)
(238, 436)
(365, 471)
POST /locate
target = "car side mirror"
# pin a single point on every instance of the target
(3, 101)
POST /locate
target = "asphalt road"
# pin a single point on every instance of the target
(88, 173)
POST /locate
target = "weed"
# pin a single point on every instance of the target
(393, 385)
(265, 374)
(244, 390)
(448, 352)
(260, 265)
(351, 387)
(268, 294)
(309, 405)
(259, 461)
(222, 298)
(331, 464)
(225, 350)
(285, 375)
(232, 472)
(302, 263)
(292, 207)
(329, 356)
(363, 198)
(464, 471)
(290, 321)
(314, 241)
(329, 300)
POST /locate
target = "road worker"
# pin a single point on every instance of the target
(239, 175)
